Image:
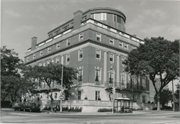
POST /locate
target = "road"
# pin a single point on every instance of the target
(143, 117)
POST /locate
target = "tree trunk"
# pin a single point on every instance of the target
(158, 102)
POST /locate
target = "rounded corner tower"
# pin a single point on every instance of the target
(108, 16)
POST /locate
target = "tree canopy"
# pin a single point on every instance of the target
(13, 84)
(156, 58)
(53, 73)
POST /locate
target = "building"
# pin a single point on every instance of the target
(94, 42)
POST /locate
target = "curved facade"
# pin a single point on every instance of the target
(109, 16)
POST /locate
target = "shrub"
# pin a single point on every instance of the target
(105, 110)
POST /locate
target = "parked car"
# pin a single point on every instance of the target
(31, 107)
(18, 106)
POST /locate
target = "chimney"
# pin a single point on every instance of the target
(77, 19)
(33, 43)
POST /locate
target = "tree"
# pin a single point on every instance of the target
(13, 84)
(177, 93)
(52, 73)
(156, 58)
(165, 97)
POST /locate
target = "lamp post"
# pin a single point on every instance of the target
(173, 95)
(61, 91)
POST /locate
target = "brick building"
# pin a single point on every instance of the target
(94, 42)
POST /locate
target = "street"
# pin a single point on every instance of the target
(138, 117)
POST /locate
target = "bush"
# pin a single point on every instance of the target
(105, 110)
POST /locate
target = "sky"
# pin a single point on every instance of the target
(23, 19)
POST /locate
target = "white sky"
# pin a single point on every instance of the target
(23, 19)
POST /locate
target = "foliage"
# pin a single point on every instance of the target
(165, 97)
(13, 84)
(157, 57)
(105, 110)
(177, 92)
(52, 73)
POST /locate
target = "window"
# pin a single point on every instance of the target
(97, 95)
(49, 50)
(115, 18)
(99, 16)
(118, 19)
(55, 95)
(34, 56)
(111, 75)
(111, 41)
(40, 64)
(68, 42)
(111, 58)
(41, 53)
(79, 95)
(80, 55)
(120, 44)
(48, 62)
(81, 37)
(98, 37)
(97, 74)
(57, 60)
(52, 60)
(123, 79)
(67, 59)
(58, 46)
(134, 98)
(80, 74)
(98, 55)
(125, 46)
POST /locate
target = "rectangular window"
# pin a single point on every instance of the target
(97, 95)
(115, 18)
(80, 55)
(40, 64)
(98, 55)
(125, 46)
(41, 53)
(79, 95)
(121, 44)
(67, 59)
(34, 56)
(81, 37)
(68, 42)
(97, 74)
(55, 95)
(49, 50)
(98, 37)
(57, 60)
(111, 58)
(118, 19)
(111, 41)
(80, 74)
(58, 46)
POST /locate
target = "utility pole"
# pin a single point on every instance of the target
(173, 96)
(61, 92)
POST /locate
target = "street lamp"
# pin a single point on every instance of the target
(61, 91)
